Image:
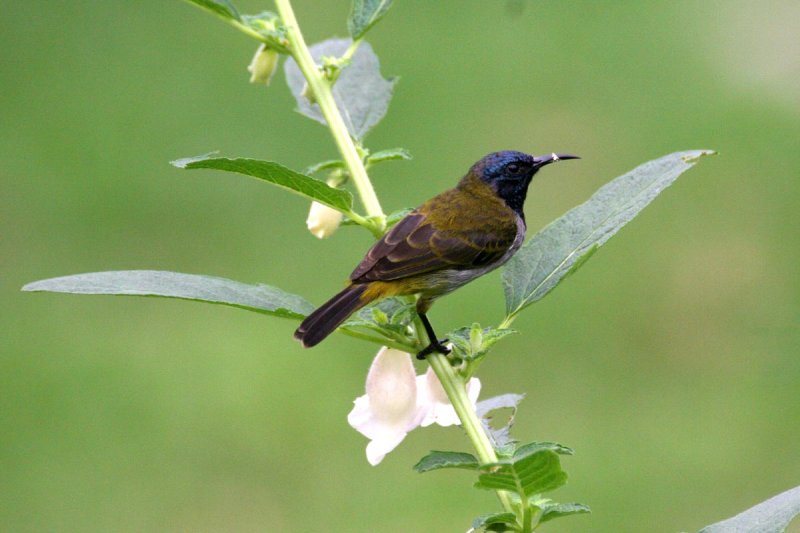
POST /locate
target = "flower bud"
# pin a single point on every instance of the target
(308, 94)
(263, 65)
(322, 220)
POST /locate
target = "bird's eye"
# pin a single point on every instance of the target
(513, 168)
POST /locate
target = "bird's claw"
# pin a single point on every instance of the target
(435, 346)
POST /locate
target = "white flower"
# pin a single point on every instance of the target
(263, 65)
(397, 401)
(434, 402)
(322, 220)
(389, 410)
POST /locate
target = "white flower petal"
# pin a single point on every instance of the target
(389, 410)
(392, 385)
(322, 220)
(434, 402)
(473, 390)
(378, 448)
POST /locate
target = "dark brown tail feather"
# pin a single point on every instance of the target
(330, 315)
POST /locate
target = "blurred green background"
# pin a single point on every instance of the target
(669, 362)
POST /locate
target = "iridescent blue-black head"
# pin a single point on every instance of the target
(509, 173)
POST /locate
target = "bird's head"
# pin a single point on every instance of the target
(509, 173)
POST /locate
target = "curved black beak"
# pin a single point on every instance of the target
(542, 160)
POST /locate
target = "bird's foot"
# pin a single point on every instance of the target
(435, 346)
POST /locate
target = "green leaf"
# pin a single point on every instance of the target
(277, 175)
(497, 522)
(365, 14)
(330, 164)
(389, 318)
(771, 516)
(563, 245)
(269, 27)
(259, 298)
(391, 154)
(474, 342)
(534, 447)
(526, 475)
(552, 510)
(361, 93)
(221, 8)
(437, 460)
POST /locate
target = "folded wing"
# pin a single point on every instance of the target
(415, 246)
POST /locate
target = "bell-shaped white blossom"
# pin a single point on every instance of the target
(433, 400)
(389, 410)
(322, 220)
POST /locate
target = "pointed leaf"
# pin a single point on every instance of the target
(275, 174)
(436, 460)
(361, 93)
(771, 516)
(259, 298)
(496, 522)
(531, 474)
(390, 154)
(551, 511)
(221, 8)
(330, 164)
(563, 245)
(365, 14)
(529, 449)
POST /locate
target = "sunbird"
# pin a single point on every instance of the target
(443, 244)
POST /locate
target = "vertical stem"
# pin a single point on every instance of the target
(321, 89)
(453, 385)
(457, 393)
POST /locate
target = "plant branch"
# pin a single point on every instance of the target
(456, 391)
(321, 90)
(453, 386)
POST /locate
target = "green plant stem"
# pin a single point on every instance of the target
(367, 223)
(456, 391)
(506, 323)
(453, 386)
(321, 89)
(346, 57)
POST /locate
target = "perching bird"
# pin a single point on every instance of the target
(443, 244)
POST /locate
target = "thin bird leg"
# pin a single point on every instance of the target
(435, 344)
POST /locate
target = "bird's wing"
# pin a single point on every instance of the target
(416, 246)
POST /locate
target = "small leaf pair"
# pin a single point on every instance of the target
(528, 472)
